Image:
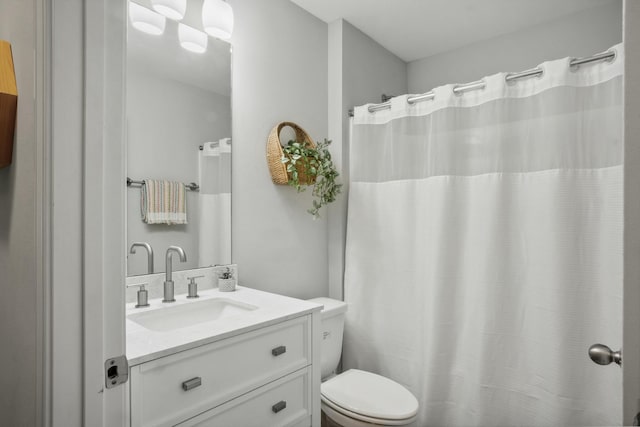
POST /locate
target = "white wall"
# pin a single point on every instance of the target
(582, 34)
(279, 74)
(360, 71)
(18, 247)
(163, 139)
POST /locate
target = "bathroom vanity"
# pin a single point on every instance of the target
(245, 358)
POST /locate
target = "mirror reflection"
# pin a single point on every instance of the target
(178, 132)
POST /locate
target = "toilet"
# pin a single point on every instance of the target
(357, 398)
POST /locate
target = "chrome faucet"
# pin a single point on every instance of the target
(149, 254)
(168, 281)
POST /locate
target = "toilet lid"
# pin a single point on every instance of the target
(370, 395)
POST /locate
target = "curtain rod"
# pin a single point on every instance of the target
(191, 186)
(609, 56)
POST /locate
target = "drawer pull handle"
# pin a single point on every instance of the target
(279, 350)
(279, 406)
(192, 383)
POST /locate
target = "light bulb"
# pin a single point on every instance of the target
(172, 9)
(146, 20)
(217, 18)
(192, 39)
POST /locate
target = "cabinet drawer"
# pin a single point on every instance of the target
(171, 389)
(285, 402)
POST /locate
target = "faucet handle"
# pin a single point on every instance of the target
(193, 287)
(141, 285)
(143, 294)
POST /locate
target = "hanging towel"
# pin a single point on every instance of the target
(163, 202)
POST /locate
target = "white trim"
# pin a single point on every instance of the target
(103, 205)
(631, 251)
(93, 211)
(81, 204)
(65, 213)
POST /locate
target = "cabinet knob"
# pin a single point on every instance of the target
(192, 383)
(279, 406)
(279, 350)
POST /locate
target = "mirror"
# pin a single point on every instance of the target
(178, 108)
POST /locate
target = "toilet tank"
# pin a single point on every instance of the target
(332, 327)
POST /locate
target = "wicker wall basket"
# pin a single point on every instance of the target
(278, 169)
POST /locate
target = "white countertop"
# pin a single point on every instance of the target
(144, 344)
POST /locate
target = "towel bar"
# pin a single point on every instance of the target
(192, 186)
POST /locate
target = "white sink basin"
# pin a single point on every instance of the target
(192, 313)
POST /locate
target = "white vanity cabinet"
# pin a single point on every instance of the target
(257, 408)
(259, 378)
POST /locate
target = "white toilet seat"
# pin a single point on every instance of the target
(369, 398)
(346, 418)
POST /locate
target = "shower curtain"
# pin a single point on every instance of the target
(215, 203)
(484, 248)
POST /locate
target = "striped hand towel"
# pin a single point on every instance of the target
(163, 202)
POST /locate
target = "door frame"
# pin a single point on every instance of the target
(81, 203)
(631, 251)
(104, 207)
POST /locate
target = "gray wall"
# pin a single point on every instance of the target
(369, 70)
(18, 245)
(582, 34)
(360, 70)
(279, 74)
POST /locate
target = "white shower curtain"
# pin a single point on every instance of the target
(484, 248)
(215, 203)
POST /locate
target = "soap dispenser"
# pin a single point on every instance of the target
(143, 295)
(193, 287)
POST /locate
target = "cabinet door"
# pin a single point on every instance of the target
(172, 389)
(285, 402)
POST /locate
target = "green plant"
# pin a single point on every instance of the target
(308, 165)
(227, 274)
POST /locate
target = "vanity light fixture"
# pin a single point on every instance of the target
(172, 9)
(146, 20)
(192, 39)
(217, 18)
